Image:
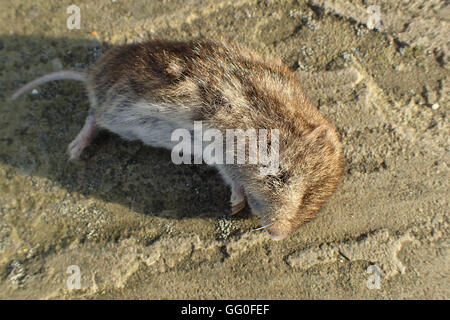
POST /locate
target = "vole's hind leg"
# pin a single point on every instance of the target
(83, 139)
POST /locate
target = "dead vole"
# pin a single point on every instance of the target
(146, 91)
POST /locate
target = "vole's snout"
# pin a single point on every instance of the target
(278, 230)
(277, 235)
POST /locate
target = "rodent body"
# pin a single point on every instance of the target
(146, 91)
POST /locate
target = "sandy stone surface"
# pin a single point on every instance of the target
(138, 226)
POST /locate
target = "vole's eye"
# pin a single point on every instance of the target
(282, 176)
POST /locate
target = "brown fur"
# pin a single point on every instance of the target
(228, 86)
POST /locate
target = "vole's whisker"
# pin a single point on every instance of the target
(262, 227)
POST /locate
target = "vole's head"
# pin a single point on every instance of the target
(310, 170)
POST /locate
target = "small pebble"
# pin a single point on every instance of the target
(346, 56)
(435, 106)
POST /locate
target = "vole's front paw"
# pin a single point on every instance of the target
(237, 200)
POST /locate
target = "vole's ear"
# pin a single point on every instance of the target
(324, 133)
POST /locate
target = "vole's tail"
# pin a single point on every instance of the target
(60, 75)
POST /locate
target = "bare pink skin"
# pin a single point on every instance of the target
(83, 139)
(238, 202)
